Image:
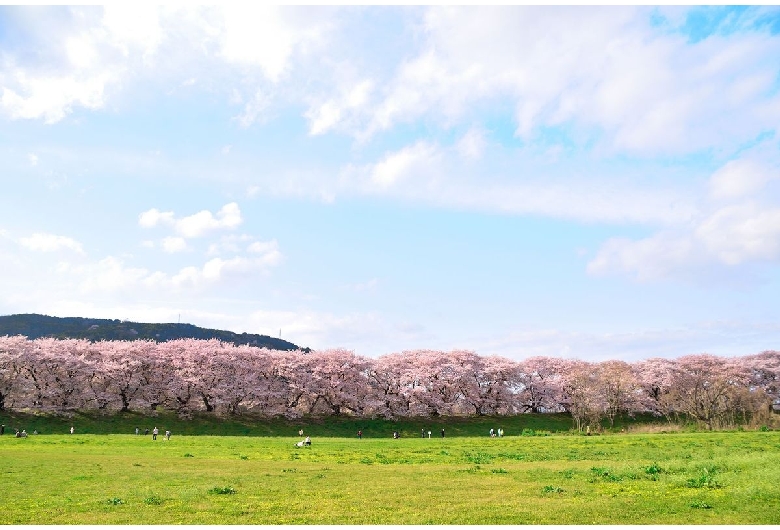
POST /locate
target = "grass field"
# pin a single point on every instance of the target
(673, 478)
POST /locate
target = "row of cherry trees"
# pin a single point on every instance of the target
(197, 375)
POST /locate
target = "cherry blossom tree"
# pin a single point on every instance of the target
(582, 396)
(432, 383)
(618, 388)
(269, 388)
(655, 379)
(541, 383)
(333, 382)
(489, 385)
(391, 378)
(58, 373)
(181, 384)
(704, 387)
(10, 378)
(764, 372)
(188, 375)
(117, 372)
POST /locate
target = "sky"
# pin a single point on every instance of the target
(577, 182)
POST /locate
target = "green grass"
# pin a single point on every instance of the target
(680, 478)
(247, 425)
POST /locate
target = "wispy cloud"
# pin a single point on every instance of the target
(738, 223)
(41, 242)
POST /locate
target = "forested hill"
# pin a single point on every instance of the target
(96, 329)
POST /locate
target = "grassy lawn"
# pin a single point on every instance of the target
(679, 478)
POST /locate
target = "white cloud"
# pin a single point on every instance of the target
(738, 225)
(472, 144)
(261, 247)
(718, 338)
(228, 217)
(50, 243)
(328, 115)
(404, 164)
(432, 174)
(323, 118)
(217, 270)
(606, 73)
(196, 225)
(369, 285)
(108, 275)
(657, 257)
(253, 111)
(52, 98)
(87, 53)
(740, 233)
(232, 244)
(726, 238)
(739, 178)
(153, 217)
(134, 27)
(33, 158)
(172, 245)
(320, 329)
(111, 275)
(258, 36)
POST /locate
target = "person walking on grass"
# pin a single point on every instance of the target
(155, 432)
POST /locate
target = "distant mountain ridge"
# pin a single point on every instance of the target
(34, 326)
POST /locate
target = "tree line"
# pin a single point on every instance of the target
(191, 375)
(96, 329)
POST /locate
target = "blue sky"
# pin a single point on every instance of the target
(587, 183)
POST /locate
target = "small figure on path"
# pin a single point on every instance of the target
(137, 431)
(395, 435)
(307, 441)
(422, 433)
(442, 433)
(155, 432)
(72, 430)
(167, 435)
(429, 435)
(360, 435)
(2, 429)
(492, 433)
(146, 431)
(300, 432)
